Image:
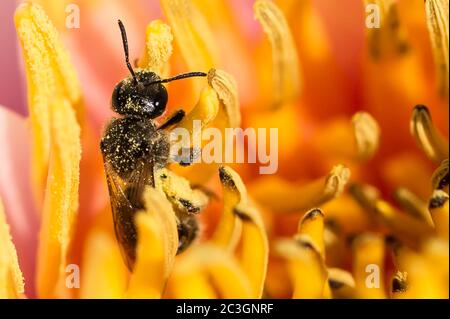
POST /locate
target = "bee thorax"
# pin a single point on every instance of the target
(129, 140)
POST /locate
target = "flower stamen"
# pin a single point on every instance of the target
(437, 21)
(342, 283)
(227, 116)
(439, 207)
(156, 248)
(61, 199)
(226, 89)
(305, 265)
(312, 224)
(367, 134)
(402, 226)
(399, 283)
(285, 72)
(427, 136)
(50, 74)
(440, 178)
(413, 205)
(158, 48)
(242, 224)
(284, 197)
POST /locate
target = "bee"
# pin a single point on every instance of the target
(134, 147)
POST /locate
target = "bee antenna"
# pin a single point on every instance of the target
(179, 77)
(125, 49)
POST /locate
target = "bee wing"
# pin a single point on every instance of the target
(126, 199)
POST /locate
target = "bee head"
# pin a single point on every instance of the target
(142, 94)
(138, 95)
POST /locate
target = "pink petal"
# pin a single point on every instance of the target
(11, 88)
(97, 52)
(15, 191)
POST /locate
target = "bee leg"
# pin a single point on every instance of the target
(173, 119)
(194, 154)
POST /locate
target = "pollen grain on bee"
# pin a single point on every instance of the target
(231, 145)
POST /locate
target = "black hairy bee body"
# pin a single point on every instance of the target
(133, 147)
(128, 140)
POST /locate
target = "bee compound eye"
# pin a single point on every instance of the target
(159, 98)
(150, 102)
(116, 98)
